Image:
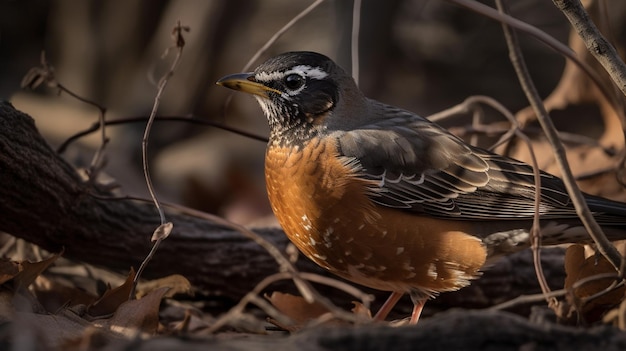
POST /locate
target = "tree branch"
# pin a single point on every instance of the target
(595, 42)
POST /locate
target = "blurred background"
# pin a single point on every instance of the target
(422, 55)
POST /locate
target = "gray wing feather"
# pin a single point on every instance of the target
(420, 167)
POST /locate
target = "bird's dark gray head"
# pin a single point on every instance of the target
(299, 93)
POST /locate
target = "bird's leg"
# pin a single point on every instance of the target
(417, 311)
(418, 305)
(388, 306)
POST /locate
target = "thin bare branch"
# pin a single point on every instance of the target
(252, 297)
(354, 47)
(179, 44)
(143, 119)
(535, 232)
(544, 38)
(605, 247)
(279, 33)
(45, 74)
(595, 42)
(526, 299)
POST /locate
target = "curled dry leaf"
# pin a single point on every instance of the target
(8, 270)
(29, 271)
(360, 310)
(136, 316)
(54, 295)
(578, 267)
(163, 231)
(296, 308)
(112, 298)
(176, 283)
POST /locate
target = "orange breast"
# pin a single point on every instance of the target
(326, 211)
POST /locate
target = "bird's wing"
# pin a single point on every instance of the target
(420, 167)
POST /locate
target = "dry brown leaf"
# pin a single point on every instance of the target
(176, 282)
(112, 298)
(578, 267)
(54, 295)
(136, 316)
(54, 329)
(163, 231)
(8, 270)
(296, 308)
(361, 310)
(31, 270)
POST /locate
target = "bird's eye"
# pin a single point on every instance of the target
(294, 81)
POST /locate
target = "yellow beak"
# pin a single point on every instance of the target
(245, 82)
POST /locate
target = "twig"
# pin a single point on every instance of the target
(143, 119)
(252, 297)
(544, 38)
(270, 42)
(477, 119)
(279, 33)
(535, 232)
(595, 42)
(501, 127)
(165, 228)
(525, 299)
(595, 231)
(354, 43)
(45, 74)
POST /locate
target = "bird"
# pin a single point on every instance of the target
(387, 199)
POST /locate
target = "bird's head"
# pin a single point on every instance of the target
(302, 94)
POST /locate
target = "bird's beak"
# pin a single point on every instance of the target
(245, 82)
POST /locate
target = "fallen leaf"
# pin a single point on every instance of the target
(296, 308)
(163, 231)
(55, 329)
(8, 270)
(360, 310)
(54, 295)
(578, 267)
(112, 298)
(176, 282)
(136, 316)
(31, 270)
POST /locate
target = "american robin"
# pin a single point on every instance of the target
(387, 199)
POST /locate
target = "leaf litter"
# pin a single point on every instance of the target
(39, 307)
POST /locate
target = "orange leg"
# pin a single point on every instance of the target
(419, 300)
(388, 306)
(417, 311)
